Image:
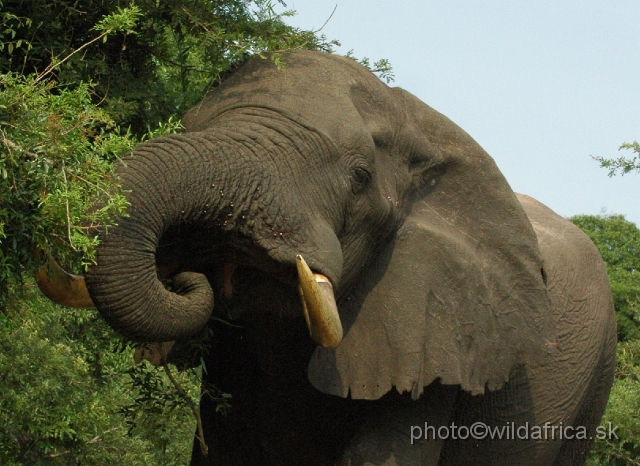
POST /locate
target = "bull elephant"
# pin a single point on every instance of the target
(389, 291)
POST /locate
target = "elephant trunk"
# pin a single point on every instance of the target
(124, 285)
(201, 185)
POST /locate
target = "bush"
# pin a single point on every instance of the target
(67, 396)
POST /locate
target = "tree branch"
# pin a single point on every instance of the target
(204, 449)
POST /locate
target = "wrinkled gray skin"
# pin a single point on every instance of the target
(461, 302)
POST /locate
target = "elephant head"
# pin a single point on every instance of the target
(406, 222)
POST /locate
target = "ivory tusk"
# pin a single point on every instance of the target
(319, 304)
(62, 287)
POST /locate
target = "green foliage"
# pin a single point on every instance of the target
(625, 165)
(11, 24)
(162, 57)
(57, 150)
(623, 412)
(618, 240)
(56, 154)
(382, 67)
(159, 398)
(65, 389)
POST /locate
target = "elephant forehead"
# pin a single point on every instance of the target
(326, 93)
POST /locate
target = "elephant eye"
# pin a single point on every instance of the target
(418, 162)
(361, 177)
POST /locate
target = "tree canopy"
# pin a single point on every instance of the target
(157, 58)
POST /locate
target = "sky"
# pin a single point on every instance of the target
(541, 85)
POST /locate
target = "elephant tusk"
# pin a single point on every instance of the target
(319, 304)
(62, 287)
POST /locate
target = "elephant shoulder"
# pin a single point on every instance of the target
(573, 266)
(558, 238)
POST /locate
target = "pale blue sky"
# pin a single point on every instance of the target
(541, 85)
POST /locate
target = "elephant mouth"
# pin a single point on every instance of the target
(241, 289)
(243, 277)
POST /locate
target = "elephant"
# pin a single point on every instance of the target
(374, 290)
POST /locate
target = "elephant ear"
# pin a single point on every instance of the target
(459, 293)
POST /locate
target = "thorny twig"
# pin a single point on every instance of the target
(55, 64)
(98, 437)
(204, 449)
(93, 440)
(66, 201)
(91, 184)
(328, 19)
(620, 453)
